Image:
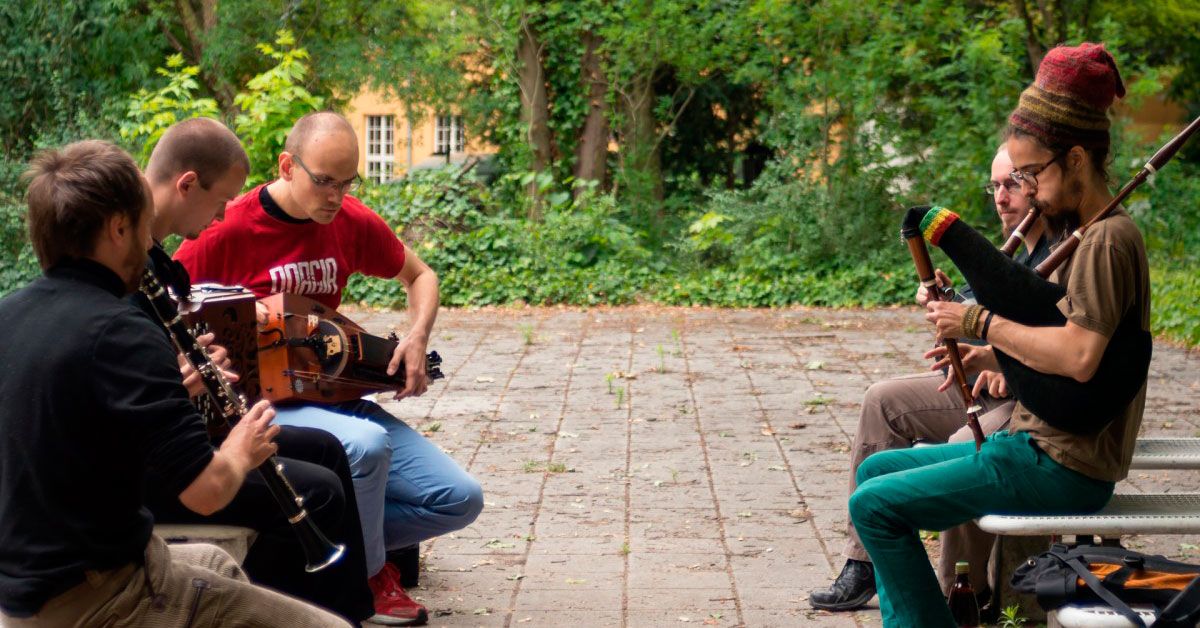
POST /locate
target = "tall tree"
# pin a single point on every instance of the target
(188, 26)
(591, 158)
(535, 105)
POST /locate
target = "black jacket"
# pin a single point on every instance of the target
(90, 397)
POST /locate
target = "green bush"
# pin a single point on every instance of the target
(1175, 313)
(18, 265)
(582, 253)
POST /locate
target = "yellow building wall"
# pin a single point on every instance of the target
(422, 132)
(1155, 115)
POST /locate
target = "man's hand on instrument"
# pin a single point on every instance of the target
(993, 382)
(975, 359)
(220, 357)
(410, 352)
(261, 313)
(943, 281)
(251, 441)
(947, 318)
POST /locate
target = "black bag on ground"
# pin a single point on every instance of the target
(1114, 576)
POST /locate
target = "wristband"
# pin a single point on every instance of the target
(987, 322)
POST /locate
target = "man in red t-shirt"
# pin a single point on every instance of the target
(303, 234)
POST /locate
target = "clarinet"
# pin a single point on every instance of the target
(319, 551)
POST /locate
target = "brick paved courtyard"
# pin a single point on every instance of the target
(665, 467)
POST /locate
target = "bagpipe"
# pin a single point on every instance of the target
(1017, 293)
(1024, 296)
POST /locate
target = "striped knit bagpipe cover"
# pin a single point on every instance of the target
(1017, 293)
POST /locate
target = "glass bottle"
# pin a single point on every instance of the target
(963, 605)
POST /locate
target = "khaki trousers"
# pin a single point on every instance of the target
(899, 412)
(182, 586)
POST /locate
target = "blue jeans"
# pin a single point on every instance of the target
(934, 488)
(408, 489)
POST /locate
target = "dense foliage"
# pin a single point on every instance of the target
(748, 152)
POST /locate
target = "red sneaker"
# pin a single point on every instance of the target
(393, 607)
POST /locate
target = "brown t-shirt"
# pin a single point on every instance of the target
(1105, 278)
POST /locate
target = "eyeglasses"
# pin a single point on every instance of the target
(341, 187)
(1029, 174)
(1008, 184)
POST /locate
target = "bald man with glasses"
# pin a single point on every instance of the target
(305, 234)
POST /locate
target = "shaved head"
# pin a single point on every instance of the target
(318, 126)
(200, 145)
(317, 167)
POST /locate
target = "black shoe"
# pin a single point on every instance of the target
(408, 561)
(854, 587)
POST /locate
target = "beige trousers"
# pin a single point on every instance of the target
(900, 412)
(181, 586)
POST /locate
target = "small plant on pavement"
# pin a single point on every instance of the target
(1010, 617)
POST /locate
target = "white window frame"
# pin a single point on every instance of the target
(381, 148)
(449, 136)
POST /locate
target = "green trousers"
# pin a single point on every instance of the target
(934, 488)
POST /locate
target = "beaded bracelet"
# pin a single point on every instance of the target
(971, 320)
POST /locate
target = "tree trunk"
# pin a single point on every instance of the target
(535, 107)
(1033, 47)
(643, 168)
(197, 17)
(592, 154)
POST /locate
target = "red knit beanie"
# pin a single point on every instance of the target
(1067, 105)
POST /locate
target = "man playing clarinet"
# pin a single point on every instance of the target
(1058, 140)
(91, 400)
(197, 166)
(304, 234)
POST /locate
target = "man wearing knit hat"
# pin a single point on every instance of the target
(901, 411)
(1058, 141)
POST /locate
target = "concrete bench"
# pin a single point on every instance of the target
(232, 539)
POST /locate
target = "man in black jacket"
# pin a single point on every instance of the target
(90, 399)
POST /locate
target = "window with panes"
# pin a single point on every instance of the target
(381, 148)
(450, 137)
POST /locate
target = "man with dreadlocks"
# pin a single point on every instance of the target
(1058, 140)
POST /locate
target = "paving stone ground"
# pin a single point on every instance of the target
(652, 466)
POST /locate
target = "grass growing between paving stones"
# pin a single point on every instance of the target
(537, 466)
(818, 401)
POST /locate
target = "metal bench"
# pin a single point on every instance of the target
(1166, 453)
(1125, 514)
(1095, 617)
(1153, 453)
(232, 539)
